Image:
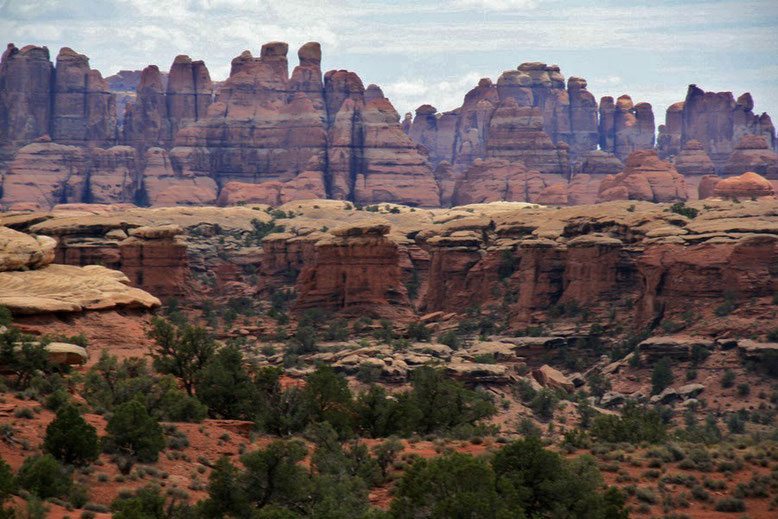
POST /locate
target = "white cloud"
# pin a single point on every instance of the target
(408, 94)
(496, 5)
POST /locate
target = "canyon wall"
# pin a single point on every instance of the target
(266, 135)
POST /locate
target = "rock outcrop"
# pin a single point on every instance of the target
(645, 177)
(625, 127)
(46, 173)
(752, 153)
(503, 119)
(747, 185)
(356, 271)
(492, 180)
(155, 260)
(83, 109)
(694, 164)
(30, 284)
(716, 120)
(25, 96)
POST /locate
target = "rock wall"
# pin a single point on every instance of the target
(356, 271)
(717, 121)
(625, 127)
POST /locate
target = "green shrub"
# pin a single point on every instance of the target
(134, 434)
(730, 504)
(636, 424)
(450, 339)
(683, 210)
(419, 332)
(43, 476)
(70, 439)
(728, 379)
(662, 376)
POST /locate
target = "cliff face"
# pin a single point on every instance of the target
(355, 270)
(632, 261)
(533, 98)
(717, 121)
(265, 135)
(308, 134)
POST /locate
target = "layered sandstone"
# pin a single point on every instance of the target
(355, 271)
(492, 180)
(645, 177)
(716, 120)
(747, 185)
(567, 116)
(694, 164)
(46, 173)
(25, 102)
(83, 109)
(625, 127)
(752, 153)
(30, 284)
(516, 134)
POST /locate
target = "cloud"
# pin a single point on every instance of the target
(409, 93)
(496, 5)
(420, 51)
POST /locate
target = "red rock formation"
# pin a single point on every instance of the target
(25, 102)
(516, 133)
(555, 194)
(146, 121)
(492, 180)
(625, 127)
(356, 271)
(747, 185)
(693, 160)
(645, 177)
(308, 185)
(155, 260)
(567, 116)
(694, 164)
(583, 117)
(718, 122)
(707, 186)
(189, 91)
(752, 154)
(114, 175)
(669, 140)
(83, 109)
(682, 277)
(165, 185)
(46, 173)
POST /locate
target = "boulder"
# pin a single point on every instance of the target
(550, 377)
(19, 251)
(747, 185)
(690, 391)
(645, 177)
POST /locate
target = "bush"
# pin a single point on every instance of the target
(134, 434)
(180, 351)
(419, 332)
(544, 403)
(450, 339)
(743, 389)
(70, 439)
(7, 481)
(636, 424)
(728, 379)
(43, 476)
(683, 210)
(661, 376)
(225, 386)
(730, 504)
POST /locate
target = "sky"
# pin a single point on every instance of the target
(435, 51)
